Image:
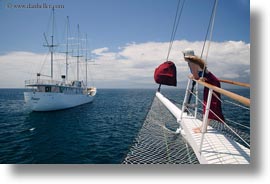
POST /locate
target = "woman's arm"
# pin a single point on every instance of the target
(194, 70)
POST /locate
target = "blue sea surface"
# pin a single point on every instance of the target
(100, 132)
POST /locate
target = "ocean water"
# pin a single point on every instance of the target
(96, 133)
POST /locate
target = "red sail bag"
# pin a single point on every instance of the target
(166, 74)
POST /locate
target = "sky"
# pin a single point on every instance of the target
(127, 39)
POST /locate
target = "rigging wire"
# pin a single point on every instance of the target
(67, 46)
(212, 23)
(43, 63)
(209, 29)
(177, 18)
(175, 27)
(47, 31)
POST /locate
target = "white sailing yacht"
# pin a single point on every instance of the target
(50, 94)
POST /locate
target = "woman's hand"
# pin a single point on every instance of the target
(190, 76)
(202, 79)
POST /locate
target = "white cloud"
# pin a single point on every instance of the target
(16, 66)
(133, 65)
(100, 50)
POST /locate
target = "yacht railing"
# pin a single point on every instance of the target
(40, 82)
(36, 82)
(242, 100)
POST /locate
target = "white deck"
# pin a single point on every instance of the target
(217, 148)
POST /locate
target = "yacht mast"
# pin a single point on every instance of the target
(86, 59)
(67, 48)
(78, 52)
(52, 46)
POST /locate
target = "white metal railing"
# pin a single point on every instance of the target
(42, 82)
(243, 100)
(38, 82)
(205, 118)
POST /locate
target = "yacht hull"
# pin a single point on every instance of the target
(42, 101)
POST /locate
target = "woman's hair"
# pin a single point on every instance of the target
(196, 60)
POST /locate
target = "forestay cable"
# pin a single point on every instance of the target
(175, 25)
(211, 25)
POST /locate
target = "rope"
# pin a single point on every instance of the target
(230, 102)
(210, 25)
(237, 123)
(208, 29)
(43, 63)
(175, 25)
(212, 22)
